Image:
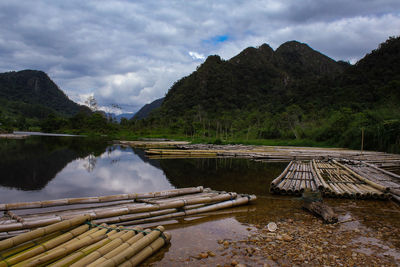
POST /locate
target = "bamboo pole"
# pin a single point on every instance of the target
(117, 249)
(277, 180)
(67, 261)
(92, 233)
(382, 170)
(222, 205)
(43, 247)
(133, 249)
(24, 246)
(14, 241)
(47, 258)
(323, 185)
(377, 186)
(101, 199)
(118, 241)
(148, 251)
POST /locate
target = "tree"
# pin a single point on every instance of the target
(91, 102)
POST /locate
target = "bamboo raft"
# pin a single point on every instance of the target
(153, 144)
(274, 153)
(332, 179)
(79, 242)
(126, 209)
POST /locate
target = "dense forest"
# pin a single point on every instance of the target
(293, 93)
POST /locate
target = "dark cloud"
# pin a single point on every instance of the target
(130, 52)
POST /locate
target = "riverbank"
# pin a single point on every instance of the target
(361, 238)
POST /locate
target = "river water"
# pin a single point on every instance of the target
(42, 167)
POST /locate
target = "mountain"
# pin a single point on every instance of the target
(294, 92)
(146, 109)
(32, 93)
(257, 77)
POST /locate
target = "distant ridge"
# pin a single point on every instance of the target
(146, 109)
(32, 92)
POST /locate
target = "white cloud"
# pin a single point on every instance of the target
(196, 55)
(130, 53)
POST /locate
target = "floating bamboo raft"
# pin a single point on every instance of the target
(153, 144)
(78, 242)
(127, 209)
(277, 153)
(333, 179)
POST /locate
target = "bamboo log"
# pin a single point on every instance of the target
(129, 209)
(24, 246)
(118, 249)
(222, 205)
(319, 177)
(92, 233)
(14, 241)
(382, 170)
(67, 261)
(148, 251)
(133, 249)
(116, 242)
(377, 186)
(45, 259)
(43, 247)
(278, 179)
(101, 199)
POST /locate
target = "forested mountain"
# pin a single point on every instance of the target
(292, 92)
(32, 93)
(146, 109)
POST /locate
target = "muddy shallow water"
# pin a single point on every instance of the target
(49, 167)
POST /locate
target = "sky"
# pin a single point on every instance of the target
(129, 53)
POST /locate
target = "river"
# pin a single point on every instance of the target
(48, 167)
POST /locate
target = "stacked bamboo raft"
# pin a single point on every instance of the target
(332, 178)
(295, 179)
(127, 209)
(78, 242)
(377, 175)
(286, 153)
(153, 144)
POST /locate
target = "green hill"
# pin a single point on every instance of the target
(29, 96)
(293, 92)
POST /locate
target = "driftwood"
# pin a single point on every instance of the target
(322, 210)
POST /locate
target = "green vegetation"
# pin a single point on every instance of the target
(291, 96)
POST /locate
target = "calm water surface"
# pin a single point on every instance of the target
(40, 168)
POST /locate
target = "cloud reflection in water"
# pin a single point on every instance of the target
(116, 171)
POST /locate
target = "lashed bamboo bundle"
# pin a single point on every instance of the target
(101, 199)
(148, 209)
(387, 180)
(330, 177)
(296, 177)
(343, 182)
(86, 244)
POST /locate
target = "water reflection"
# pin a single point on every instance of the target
(43, 168)
(29, 164)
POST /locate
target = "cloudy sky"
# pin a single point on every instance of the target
(130, 52)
